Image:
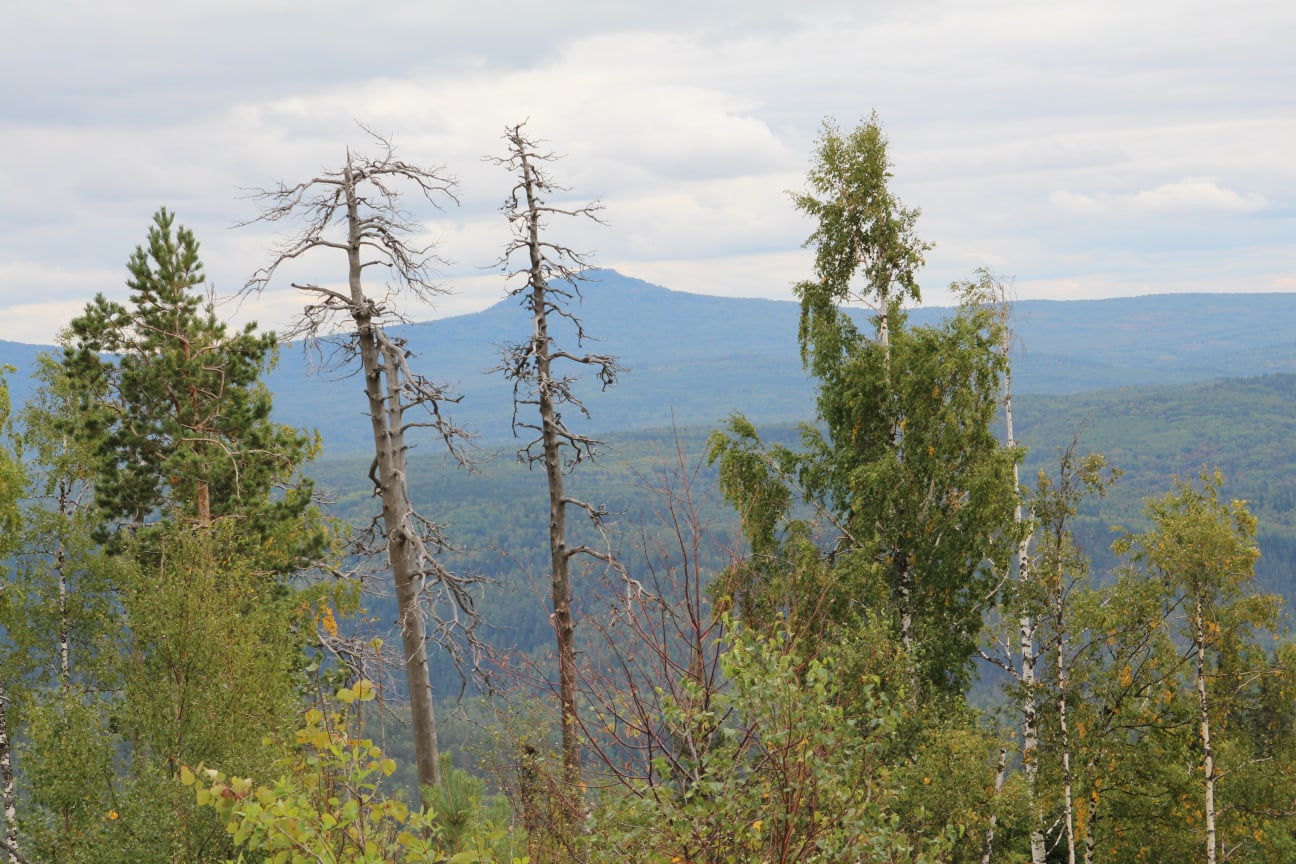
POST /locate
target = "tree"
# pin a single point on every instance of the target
(173, 403)
(903, 461)
(1048, 584)
(60, 623)
(915, 489)
(909, 460)
(552, 272)
(11, 487)
(862, 230)
(356, 211)
(183, 637)
(1204, 551)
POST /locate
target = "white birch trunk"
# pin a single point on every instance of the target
(1001, 771)
(1026, 646)
(8, 794)
(1208, 755)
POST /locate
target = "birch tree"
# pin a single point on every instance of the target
(1204, 551)
(906, 458)
(356, 213)
(549, 276)
(11, 486)
(866, 248)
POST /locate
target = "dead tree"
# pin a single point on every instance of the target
(357, 212)
(552, 273)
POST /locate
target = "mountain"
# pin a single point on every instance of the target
(694, 359)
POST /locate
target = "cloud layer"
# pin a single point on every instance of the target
(1095, 149)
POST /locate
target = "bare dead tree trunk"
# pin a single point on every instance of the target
(357, 211)
(551, 272)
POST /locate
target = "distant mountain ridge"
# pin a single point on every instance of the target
(694, 359)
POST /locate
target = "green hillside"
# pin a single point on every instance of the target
(496, 513)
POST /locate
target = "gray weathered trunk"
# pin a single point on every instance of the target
(382, 380)
(559, 559)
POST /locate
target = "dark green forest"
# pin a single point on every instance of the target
(652, 577)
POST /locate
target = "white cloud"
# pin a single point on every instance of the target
(1010, 123)
(1191, 195)
(1186, 196)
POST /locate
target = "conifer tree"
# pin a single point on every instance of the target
(182, 638)
(172, 401)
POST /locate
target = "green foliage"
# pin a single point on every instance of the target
(904, 467)
(72, 813)
(909, 465)
(329, 803)
(862, 229)
(172, 403)
(215, 648)
(794, 769)
(183, 639)
(12, 476)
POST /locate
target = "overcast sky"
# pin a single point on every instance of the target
(1086, 149)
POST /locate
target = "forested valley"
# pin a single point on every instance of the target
(924, 599)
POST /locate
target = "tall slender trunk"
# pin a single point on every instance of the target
(1091, 825)
(8, 794)
(1026, 629)
(1068, 805)
(383, 387)
(1208, 755)
(1001, 772)
(560, 559)
(904, 597)
(60, 566)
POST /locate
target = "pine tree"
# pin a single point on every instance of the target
(173, 405)
(182, 637)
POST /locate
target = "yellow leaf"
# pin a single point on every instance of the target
(186, 776)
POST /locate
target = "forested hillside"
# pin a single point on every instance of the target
(714, 587)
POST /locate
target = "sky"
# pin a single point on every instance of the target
(1090, 149)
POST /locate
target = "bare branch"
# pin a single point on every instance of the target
(357, 210)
